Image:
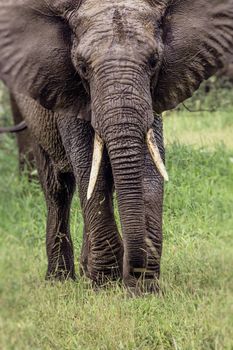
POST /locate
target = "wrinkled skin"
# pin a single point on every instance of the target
(105, 67)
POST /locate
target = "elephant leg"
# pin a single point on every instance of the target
(24, 141)
(102, 245)
(102, 251)
(153, 190)
(58, 189)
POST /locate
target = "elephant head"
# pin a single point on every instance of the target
(127, 59)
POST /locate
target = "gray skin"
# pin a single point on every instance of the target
(80, 67)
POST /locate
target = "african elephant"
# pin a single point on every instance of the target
(23, 137)
(91, 78)
(24, 141)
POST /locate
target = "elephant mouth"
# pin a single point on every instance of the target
(98, 153)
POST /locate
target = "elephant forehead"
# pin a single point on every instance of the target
(108, 22)
(105, 14)
(100, 6)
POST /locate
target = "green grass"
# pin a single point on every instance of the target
(202, 129)
(194, 312)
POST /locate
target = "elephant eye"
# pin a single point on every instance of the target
(83, 70)
(153, 61)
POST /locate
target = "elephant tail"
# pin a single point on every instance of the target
(14, 129)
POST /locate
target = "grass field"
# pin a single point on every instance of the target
(194, 312)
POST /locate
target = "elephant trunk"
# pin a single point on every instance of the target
(125, 147)
(122, 115)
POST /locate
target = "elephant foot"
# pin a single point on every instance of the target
(102, 273)
(60, 276)
(142, 287)
(61, 272)
(101, 266)
(141, 283)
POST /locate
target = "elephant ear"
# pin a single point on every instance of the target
(197, 34)
(35, 53)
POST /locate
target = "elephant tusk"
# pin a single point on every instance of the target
(14, 129)
(96, 163)
(155, 154)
